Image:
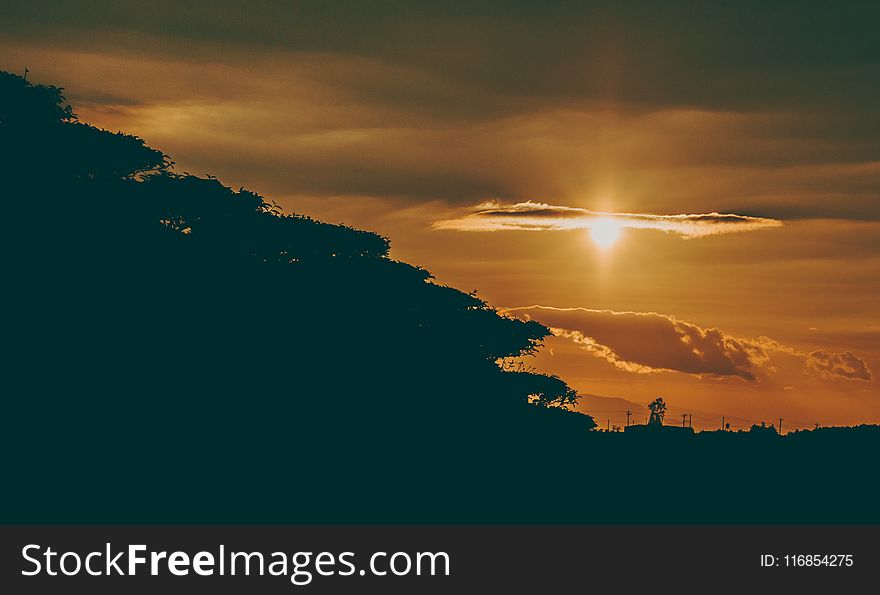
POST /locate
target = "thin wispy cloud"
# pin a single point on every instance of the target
(536, 216)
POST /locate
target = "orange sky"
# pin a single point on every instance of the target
(399, 121)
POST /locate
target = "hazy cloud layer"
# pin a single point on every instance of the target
(645, 342)
(723, 107)
(741, 55)
(535, 216)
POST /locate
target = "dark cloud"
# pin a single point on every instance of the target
(720, 55)
(838, 365)
(648, 342)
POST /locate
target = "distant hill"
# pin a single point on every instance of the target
(610, 408)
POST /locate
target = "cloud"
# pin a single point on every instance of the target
(536, 216)
(646, 342)
(838, 365)
(716, 55)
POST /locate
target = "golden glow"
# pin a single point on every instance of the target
(604, 232)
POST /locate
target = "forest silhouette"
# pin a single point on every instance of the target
(179, 351)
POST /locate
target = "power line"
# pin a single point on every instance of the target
(706, 421)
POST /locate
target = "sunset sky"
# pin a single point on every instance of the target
(687, 193)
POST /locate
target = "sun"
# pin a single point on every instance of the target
(604, 232)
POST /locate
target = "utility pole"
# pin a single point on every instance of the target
(780, 426)
(683, 418)
(628, 414)
(690, 420)
(722, 422)
(607, 425)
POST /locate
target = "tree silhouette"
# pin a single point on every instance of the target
(763, 430)
(184, 315)
(658, 412)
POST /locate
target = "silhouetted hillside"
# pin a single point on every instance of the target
(208, 345)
